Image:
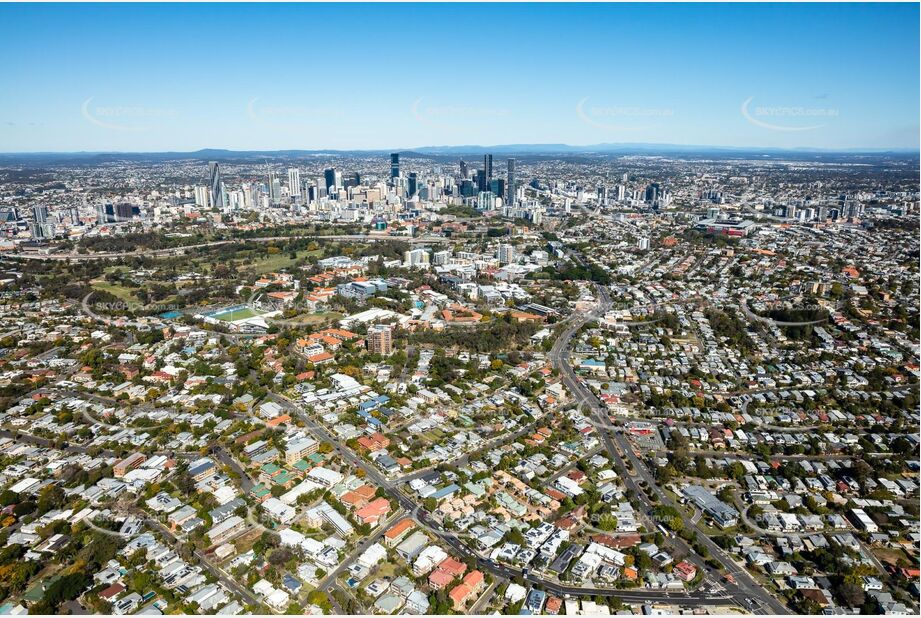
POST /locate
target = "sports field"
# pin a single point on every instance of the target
(234, 313)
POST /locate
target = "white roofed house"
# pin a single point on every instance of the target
(227, 529)
(279, 511)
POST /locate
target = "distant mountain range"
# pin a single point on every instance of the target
(524, 150)
(632, 147)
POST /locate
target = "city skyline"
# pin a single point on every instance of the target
(842, 78)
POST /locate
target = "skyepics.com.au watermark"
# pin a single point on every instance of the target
(621, 117)
(125, 117)
(290, 116)
(120, 306)
(453, 115)
(787, 117)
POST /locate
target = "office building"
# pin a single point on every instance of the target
(9, 214)
(41, 227)
(124, 211)
(467, 188)
(413, 184)
(294, 182)
(40, 213)
(481, 183)
(274, 188)
(497, 187)
(333, 180)
(105, 213)
(506, 254)
(216, 184)
(395, 165)
(510, 182)
(487, 166)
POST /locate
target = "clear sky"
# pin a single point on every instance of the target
(349, 76)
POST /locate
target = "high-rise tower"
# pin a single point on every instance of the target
(510, 183)
(217, 197)
(294, 182)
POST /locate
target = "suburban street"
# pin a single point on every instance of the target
(408, 504)
(745, 586)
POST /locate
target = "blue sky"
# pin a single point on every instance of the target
(349, 76)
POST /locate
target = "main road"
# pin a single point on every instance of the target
(744, 590)
(111, 255)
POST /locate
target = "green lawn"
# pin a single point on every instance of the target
(279, 261)
(119, 291)
(237, 314)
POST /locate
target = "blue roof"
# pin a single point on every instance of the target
(367, 416)
(445, 491)
(373, 403)
(290, 582)
(207, 465)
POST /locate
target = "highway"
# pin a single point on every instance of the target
(141, 252)
(745, 587)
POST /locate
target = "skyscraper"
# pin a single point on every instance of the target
(331, 179)
(124, 211)
(202, 197)
(464, 172)
(497, 187)
(41, 228)
(481, 183)
(510, 183)
(467, 188)
(105, 213)
(274, 187)
(487, 166)
(214, 171)
(395, 165)
(294, 182)
(40, 213)
(413, 184)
